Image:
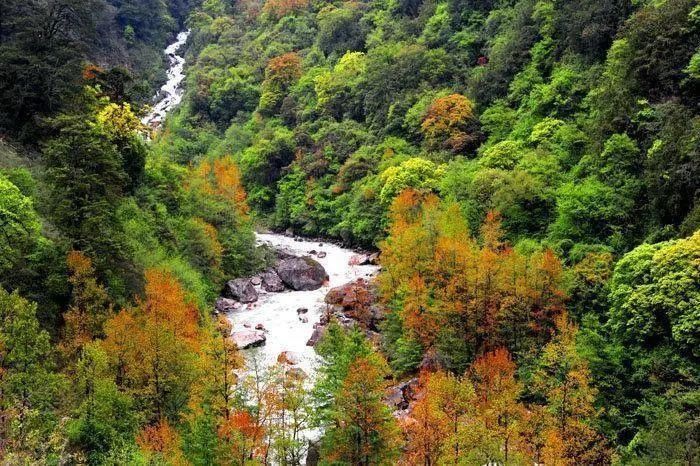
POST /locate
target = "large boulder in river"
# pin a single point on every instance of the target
(248, 338)
(226, 305)
(241, 289)
(289, 358)
(302, 273)
(271, 282)
(357, 300)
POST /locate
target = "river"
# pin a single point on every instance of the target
(171, 93)
(285, 329)
(277, 312)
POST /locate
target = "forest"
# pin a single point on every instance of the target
(524, 174)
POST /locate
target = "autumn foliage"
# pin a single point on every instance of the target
(241, 436)
(483, 293)
(222, 180)
(481, 418)
(154, 345)
(89, 306)
(447, 122)
(363, 432)
(279, 8)
(161, 440)
(283, 69)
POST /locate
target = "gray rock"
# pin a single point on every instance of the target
(226, 305)
(302, 310)
(271, 282)
(241, 289)
(304, 319)
(321, 254)
(248, 338)
(302, 273)
(313, 455)
(359, 259)
(260, 327)
(289, 358)
(319, 331)
(256, 281)
(402, 395)
(394, 398)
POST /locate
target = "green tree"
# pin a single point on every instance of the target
(105, 420)
(29, 387)
(654, 294)
(362, 431)
(19, 225)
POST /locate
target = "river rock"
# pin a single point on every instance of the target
(356, 300)
(374, 258)
(226, 305)
(321, 254)
(302, 310)
(304, 319)
(302, 273)
(394, 398)
(319, 331)
(283, 254)
(256, 281)
(359, 259)
(260, 327)
(241, 289)
(289, 358)
(271, 282)
(400, 396)
(248, 338)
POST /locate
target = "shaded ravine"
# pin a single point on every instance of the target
(171, 93)
(277, 312)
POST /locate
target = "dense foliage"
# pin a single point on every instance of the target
(529, 170)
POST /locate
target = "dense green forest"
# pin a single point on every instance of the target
(528, 170)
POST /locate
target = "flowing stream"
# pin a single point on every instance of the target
(171, 93)
(277, 312)
(285, 330)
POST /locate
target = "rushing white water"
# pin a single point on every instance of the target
(277, 312)
(171, 93)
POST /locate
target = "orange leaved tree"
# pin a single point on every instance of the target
(436, 425)
(88, 310)
(279, 8)
(463, 295)
(563, 379)
(501, 416)
(363, 431)
(448, 122)
(155, 346)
